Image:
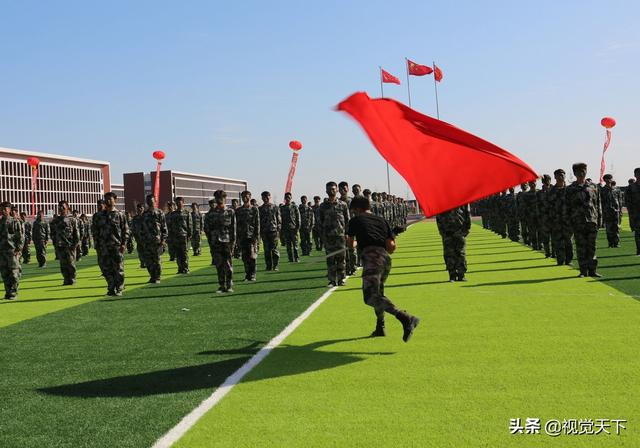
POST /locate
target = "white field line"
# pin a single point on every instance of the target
(175, 433)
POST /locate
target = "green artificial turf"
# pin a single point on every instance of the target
(523, 338)
(119, 372)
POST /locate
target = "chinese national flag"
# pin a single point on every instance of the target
(388, 77)
(417, 69)
(445, 166)
(437, 73)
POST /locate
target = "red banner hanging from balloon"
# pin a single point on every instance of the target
(33, 163)
(608, 123)
(296, 146)
(159, 156)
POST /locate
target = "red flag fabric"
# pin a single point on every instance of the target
(445, 166)
(437, 73)
(603, 164)
(417, 69)
(388, 77)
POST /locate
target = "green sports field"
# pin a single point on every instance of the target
(522, 339)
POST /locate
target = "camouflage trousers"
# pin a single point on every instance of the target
(585, 236)
(562, 245)
(140, 251)
(544, 240)
(195, 243)
(637, 238)
(612, 228)
(271, 253)
(41, 252)
(513, 230)
(26, 252)
(79, 252)
(181, 253)
(317, 238)
(67, 257)
(290, 238)
(335, 247)
(222, 258)
(171, 245)
(111, 263)
(10, 272)
(305, 241)
(98, 248)
(376, 265)
(532, 228)
(485, 221)
(455, 252)
(152, 250)
(130, 246)
(84, 247)
(501, 227)
(249, 249)
(524, 230)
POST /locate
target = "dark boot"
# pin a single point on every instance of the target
(409, 323)
(452, 277)
(379, 331)
(461, 278)
(583, 273)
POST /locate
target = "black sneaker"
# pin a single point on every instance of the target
(331, 284)
(461, 278)
(379, 332)
(594, 274)
(341, 283)
(409, 325)
(221, 290)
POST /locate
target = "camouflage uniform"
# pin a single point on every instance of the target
(248, 235)
(40, 235)
(171, 244)
(136, 228)
(67, 239)
(632, 200)
(511, 213)
(26, 250)
(94, 233)
(290, 216)
(585, 216)
(129, 239)
(560, 226)
(11, 242)
(270, 226)
(307, 224)
(113, 234)
(611, 211)
(220, 229)
(531, 216)
(454, 227)
(334, 217)
(179, 228)
(521, 208)
(544, 221)
(196, 232)
(83, 233)
(154, 233)
(86, 236)
(351, 258)
(316, 227)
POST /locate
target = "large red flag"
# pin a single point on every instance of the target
(437, 73)
(388, 77)
(445, 166)
(417, 69)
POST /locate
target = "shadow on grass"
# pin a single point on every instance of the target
(290, 360)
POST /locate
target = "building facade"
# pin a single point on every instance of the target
(196, 188)
(79, 181)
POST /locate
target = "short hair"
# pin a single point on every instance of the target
(220, 194)
(607, 177)
(331, 184)
(40, 211)
(288, 193)
(316, 197)
(5, 204)
(374, 195)
(636, 171)
(100, 202)
(245, 192)
(558, 172)
(63, 202)
(303, 198)
(578, 166)
(366, 192)
(356, 185)
(343, 184)
(194, 204)
(265, 193)
(110, 194)
(632, 181)
(148, 197)
(179, 198)
(546, 177)
(23, 214)
(360, 203)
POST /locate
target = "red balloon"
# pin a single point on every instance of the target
(295, 145)
(158, 155)
(33, 161)
(608, 122)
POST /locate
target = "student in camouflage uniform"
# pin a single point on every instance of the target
(632, 201)
(212, 205)
(40, 235)
(334, 217)
(290, 215)
(356, 190)
(11, 242)
(179, 228)
(26, 250)
(544, 220)
(67, 238)
(350, 255)
(611, 211)
(454, 227)
(154, 234)
(220, 228)
(85, 243)
(113, 237)
(81, 230)
(94, 230)
(316, 222)
(530, 205)
(196, 231)
(584, 214)
(559, 223)
(130, 246)
(254, 203)
(171, 206)
(235, 204)
(270, 227)
(377, 241)
(248, 235)
(135, 229)
(307, 223)
(511, 212)
(520, 205)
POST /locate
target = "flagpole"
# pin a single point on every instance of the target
(382, 95)
(435, 86)
(406, 66)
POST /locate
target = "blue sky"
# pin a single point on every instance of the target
(222, 87)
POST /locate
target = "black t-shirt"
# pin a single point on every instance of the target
(369, 230)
